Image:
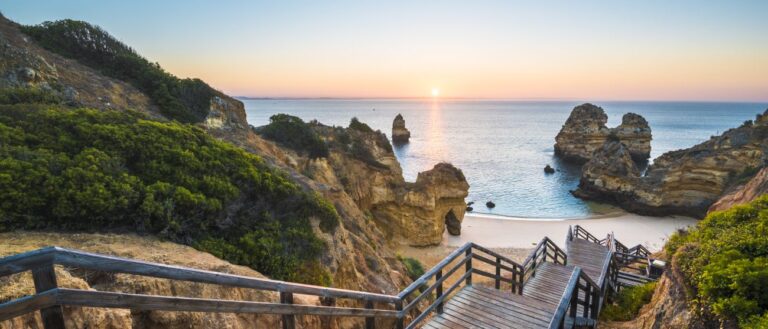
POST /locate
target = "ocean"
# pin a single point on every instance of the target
(503, 146)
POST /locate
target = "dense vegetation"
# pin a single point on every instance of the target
(185, 100)
(294, 133)
(627, 303)
(724, 261)
(81, 169)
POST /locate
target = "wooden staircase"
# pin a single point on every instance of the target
(552, 288)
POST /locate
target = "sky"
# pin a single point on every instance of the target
(594, 50)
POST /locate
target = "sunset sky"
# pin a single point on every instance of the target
(600, 50)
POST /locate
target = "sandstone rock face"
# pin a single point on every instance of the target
(684, 182)
(743, 193)
(226, 113)
(421, 212)
(635, 133)
(400, 134)
(668, 308)
(585, 131)
(418, 213)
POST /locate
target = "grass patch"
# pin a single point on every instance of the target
(628, 302)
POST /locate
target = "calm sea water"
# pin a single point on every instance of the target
(503, 146)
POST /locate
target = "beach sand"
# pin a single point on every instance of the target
(508, 232)
(515, 237)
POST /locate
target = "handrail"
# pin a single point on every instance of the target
(577, 294)
(471, 251)
(583, 234)
(41, 263)
(49, 297)
(583, 291)
(539, 255)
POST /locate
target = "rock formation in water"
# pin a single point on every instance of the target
(400, 134)
(585, 131)
(685, 182)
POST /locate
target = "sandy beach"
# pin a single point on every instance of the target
(509, 232)
(515, 237)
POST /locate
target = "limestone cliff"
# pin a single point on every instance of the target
(743, 193)
(682, 182)
(400, 134)
(362, 167)
(585, 131)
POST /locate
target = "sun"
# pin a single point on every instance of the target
(435, 92)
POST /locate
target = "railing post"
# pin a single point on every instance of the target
(597, 301)
(289, 321)
(468, 267)
(498, 273)
(401, 318)
(587, 298)
(520, 280)
(45, 279)
(439, 290)
(370, 322)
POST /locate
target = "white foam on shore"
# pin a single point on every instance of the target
(496, 231)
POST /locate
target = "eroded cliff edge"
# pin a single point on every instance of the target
(684, 182)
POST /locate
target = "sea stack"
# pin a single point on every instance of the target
(585, 131)
(683, 182)
(400, 134)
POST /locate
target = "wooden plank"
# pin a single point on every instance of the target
(27, 304)
(129, 266)
(164, 303)
(26, 261)
(562, 307)
(513, 313)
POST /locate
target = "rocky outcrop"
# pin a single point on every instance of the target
(147, 249)
(635, 133)
(422, 211)
(585, 131)
(743, 193)
(400, 134)
(668, 308)
(24, 64)
(367, 170)
(684, 182)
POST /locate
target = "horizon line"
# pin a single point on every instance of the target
(551, 99)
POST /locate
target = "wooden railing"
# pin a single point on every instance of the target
(545, 250)
(580, 291)
(580, 233)
(49, 297)
(450, 267)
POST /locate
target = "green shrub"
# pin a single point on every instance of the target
(294, 133)
(88, 170)
(627, 303)
(359, 126)
(185, 100)
(413, 267)
(10, 96)
(724, 261)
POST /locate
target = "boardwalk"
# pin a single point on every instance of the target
(544, 294)
(552, 288)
